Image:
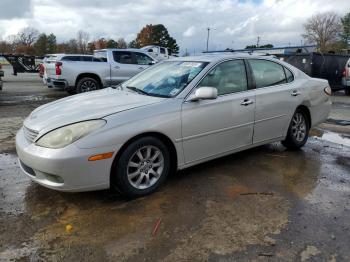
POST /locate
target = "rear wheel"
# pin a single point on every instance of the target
(298, 131)
(87, 84)
(142, 168)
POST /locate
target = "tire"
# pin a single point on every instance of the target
(347, 91)
(130, 172)
(71, 91)
(298, 131)
(87, 84)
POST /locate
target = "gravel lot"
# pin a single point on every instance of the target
(264, 204)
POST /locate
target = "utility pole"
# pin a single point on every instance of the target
(208, 38)
(257, 43)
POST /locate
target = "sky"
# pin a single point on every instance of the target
(233, 23)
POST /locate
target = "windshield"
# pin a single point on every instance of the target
(166, 79)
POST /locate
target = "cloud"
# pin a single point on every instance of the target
(15, 9)
(235, 23)
(189, 31)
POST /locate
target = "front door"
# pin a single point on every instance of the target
(215, 127)
(123, 66)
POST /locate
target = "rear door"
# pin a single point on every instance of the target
(276, 99)
(218, 126)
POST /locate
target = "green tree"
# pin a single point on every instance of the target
(51, 44)
(156, 35)
(345, 31)
(40, 45)
(111, 44)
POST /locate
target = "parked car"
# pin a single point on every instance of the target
(109, 67)
(1, 75)
(346, 78)
(49, 64)
(178, 113)
(157, 52)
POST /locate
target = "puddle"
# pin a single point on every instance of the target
(332, 137)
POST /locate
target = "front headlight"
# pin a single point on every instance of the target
(66, 135)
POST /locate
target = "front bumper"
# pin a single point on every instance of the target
(66, 169)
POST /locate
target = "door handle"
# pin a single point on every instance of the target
(247, 102)
(116, 67)
(295, 93)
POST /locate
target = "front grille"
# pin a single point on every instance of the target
(30, 134)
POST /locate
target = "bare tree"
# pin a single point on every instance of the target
(82, 41)
(322, 29)
(121, 43)
(27, 36)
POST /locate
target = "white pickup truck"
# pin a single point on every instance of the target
(109, 67)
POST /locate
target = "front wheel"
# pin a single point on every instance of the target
(142, 167)
(298, 131)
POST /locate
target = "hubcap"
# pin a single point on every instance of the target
(299, 127)
(145, 167)
(88, 86)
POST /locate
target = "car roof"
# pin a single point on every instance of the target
(215, 57)
(121, 49)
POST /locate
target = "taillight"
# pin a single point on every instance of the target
(58, 68)
(328, 90)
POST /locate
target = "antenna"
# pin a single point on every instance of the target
(208, 38)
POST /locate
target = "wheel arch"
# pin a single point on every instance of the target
(165, 139)
(306, 110)
(91, 75)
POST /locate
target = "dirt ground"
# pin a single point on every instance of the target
(264, 204)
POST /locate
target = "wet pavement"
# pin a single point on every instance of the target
(263, 204)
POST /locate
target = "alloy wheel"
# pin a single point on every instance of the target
(299, 127)
(145, 167)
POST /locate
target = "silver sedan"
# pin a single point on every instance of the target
(176, 114)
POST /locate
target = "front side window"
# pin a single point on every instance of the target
(122, 57)
(166, 79)
(142, 59)
(267, 73)
(228, 77)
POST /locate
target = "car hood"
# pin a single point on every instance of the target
(85, 106)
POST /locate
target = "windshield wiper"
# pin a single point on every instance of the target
(137, 90)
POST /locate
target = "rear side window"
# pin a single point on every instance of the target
(86, 58)
(70, 58)
(162, 50)
(289, 75)
(101, 55)
(122, 57)
(267, 73)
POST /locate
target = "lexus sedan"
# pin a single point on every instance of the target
(178, 113)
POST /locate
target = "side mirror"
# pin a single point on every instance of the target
(205, 92)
